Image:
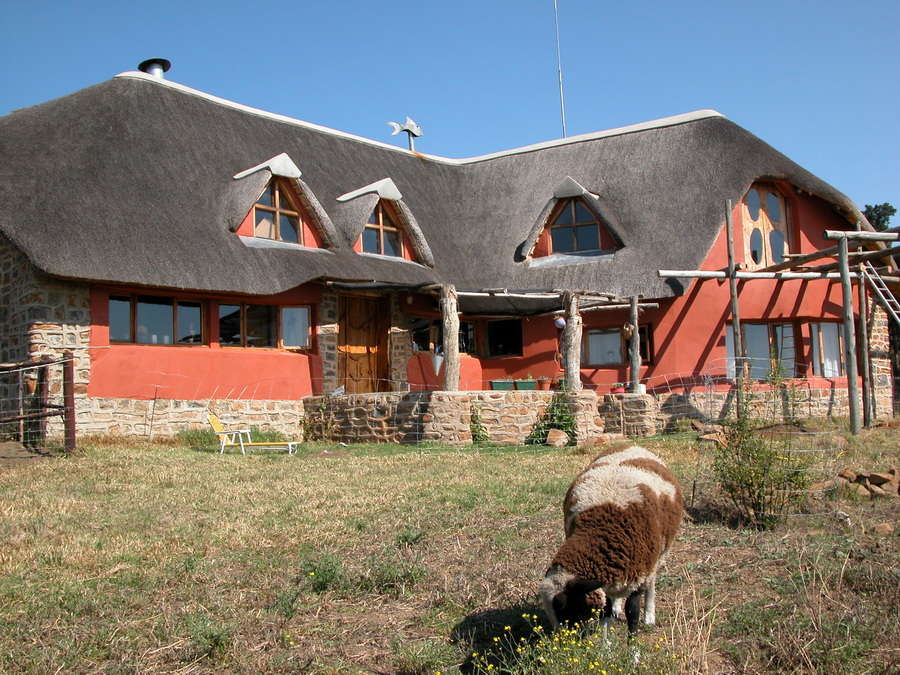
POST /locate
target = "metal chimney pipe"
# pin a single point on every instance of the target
(155, 67)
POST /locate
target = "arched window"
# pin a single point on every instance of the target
(767, 226)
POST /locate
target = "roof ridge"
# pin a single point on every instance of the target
(663, 122)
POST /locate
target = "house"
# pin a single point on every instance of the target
(188, 249)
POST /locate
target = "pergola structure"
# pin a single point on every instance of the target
(849, 265)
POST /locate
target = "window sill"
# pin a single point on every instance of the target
(559, 259)
(260, 242)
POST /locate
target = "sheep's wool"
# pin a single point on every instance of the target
(618, 479)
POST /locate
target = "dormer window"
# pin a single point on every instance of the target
(382, 234)
(276, 215)
(574, 228)
(767, 226)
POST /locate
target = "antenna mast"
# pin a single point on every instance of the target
(562, 98)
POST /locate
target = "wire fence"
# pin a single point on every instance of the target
(777, 454)
(37, 408)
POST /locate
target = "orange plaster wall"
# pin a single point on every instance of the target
(200, 371)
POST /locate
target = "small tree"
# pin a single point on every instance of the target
(879, 215)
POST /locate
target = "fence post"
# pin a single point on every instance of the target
(68, 382)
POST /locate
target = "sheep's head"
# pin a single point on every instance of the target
(568, 599)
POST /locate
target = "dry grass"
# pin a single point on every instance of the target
(140, 559)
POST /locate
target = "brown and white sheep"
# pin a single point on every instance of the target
(621, 517)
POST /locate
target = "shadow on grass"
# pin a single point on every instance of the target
(495, 638)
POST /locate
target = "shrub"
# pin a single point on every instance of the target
(758, 469)
(558, 416)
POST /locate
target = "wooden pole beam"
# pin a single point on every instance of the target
(719, 274)
(572, 343)
(450, 318)
(867, 402)
(850, 338)
(634, 347)
(737, 338)
(841, 235)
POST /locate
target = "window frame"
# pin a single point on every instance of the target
(174, 302)
(554, 226)
(764, 226)
(753, 370)
(435, 336)
(817, 352)
(488, 353)
(277, 314)
(281, 192)
(383, 211)
(645, 334)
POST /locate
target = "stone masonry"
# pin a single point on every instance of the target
(441, 416)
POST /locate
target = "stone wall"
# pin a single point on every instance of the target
(164, 418)
(441, 416)
(632, 415)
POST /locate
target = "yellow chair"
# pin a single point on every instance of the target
(240, 438)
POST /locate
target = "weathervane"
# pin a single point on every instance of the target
(410, 128)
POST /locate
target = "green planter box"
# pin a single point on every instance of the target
(526, 384)
(501, 384)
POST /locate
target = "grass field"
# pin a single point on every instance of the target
(130, 558)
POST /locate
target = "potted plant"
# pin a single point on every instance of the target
(617, 388)
(501, 385)
(543, 383)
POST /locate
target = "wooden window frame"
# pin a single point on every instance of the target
(282, 193)
(487, 339)
(381, 210)
(279, 326)
(134, 299)
(435, 338)
(766, 226)
(817, 351)
(646, 346)
(572, 203)
(775, 354)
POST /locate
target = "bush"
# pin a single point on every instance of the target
(760, 472)
(558, 416)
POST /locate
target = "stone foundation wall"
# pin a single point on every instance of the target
(442, 417)
(164, 418)
(632, 415)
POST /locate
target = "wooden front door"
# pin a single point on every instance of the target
(363, 325)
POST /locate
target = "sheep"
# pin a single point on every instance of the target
(621, 517)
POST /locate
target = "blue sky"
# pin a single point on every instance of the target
(820, 81)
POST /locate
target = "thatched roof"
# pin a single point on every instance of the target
(134, 181)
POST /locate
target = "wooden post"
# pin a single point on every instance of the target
(634, 348)
(43, 398)
(738, 340)
(867, 397)
(571, 346)
(68, 381)
(450, 316)
(849, 337)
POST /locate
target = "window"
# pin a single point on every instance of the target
(382, 233)
(156, 320)
(770, 348)
(827, 349)
(428, 336)
(504, 337)
(766, 226)
(609, 346)
(574, 228)
(276, 216)
(264, 326)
